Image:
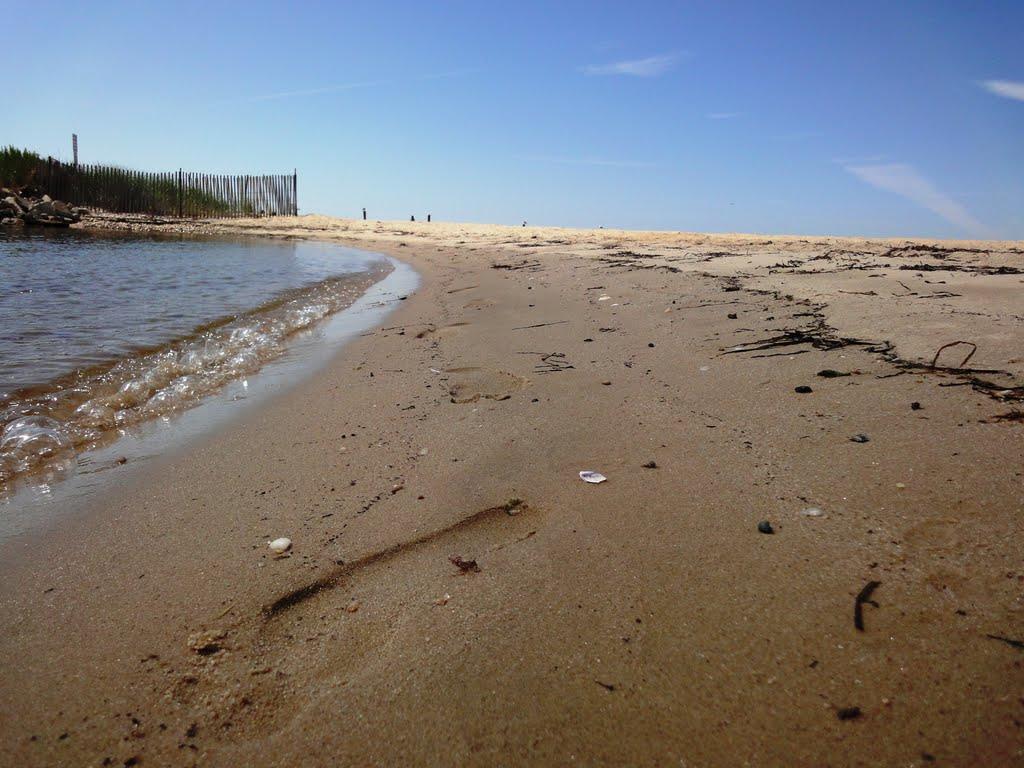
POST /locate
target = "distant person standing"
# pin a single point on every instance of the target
(428, 218)
(364, 214)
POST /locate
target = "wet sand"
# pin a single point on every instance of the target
(642, 621)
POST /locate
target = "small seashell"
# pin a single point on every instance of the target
(280, 546)
(812, 512)
(589, 476)
(352, 607)
(443, 600)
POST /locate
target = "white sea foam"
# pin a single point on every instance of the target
(75, 414)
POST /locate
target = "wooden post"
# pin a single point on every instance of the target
(295, 192)
(181, 196)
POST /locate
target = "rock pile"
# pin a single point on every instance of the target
(42, 210)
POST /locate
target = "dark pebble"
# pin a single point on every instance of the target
(588, 339)
(651, 465)
(915, 406)
(803, 389)
(829, 373)
(765, 527)
(651, 344)
(732, 316)
(860, 438)
(849, 713)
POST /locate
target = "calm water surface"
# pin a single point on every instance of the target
(99, 333)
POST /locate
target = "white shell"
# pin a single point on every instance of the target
(280, 545)
(812, 512)
(589, 476)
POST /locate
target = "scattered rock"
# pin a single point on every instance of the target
(650, 344)
(765, 527)
(732, 316)
(650, 465)
(828, 373)
(915, 406)
(352, 607)
(466, 566)
(803, 389)
(860, 437)
(207, 642)
(848, 713)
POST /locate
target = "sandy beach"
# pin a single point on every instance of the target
(456, 595)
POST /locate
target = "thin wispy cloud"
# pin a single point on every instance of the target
(593, 161)
(905, 181)
(339, 87)
(652, 66)
(1008, 89)
(723, 115)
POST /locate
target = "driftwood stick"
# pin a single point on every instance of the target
(974, 348)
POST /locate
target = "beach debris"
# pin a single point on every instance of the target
(848, 713)
(650, 465)
(352, 607)
(443, 600)
(812, 512)
(514, 506)
(466, 566)
(803, 389)
(280, 546)
(207, 642)
(539, 325)
(765, 527)
(732, 316)
(650, 344)
(550, 362)
(1009, 641)
(901, 486)
(915, 406)
(829, 373)
(589, 476)
(860, 437)
(939, 351)
(606, 297)
(864, 596)
(607, 686)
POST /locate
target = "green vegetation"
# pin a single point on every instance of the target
(17, 166)
(115, 189)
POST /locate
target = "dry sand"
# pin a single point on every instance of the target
(643, 621)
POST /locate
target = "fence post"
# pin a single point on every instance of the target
(295, 192)
(181, 196)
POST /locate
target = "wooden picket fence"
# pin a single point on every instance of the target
(176, 193)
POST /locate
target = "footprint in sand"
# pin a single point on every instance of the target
(478, 304)
(471, 384)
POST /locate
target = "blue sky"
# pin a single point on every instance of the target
(872, 118)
